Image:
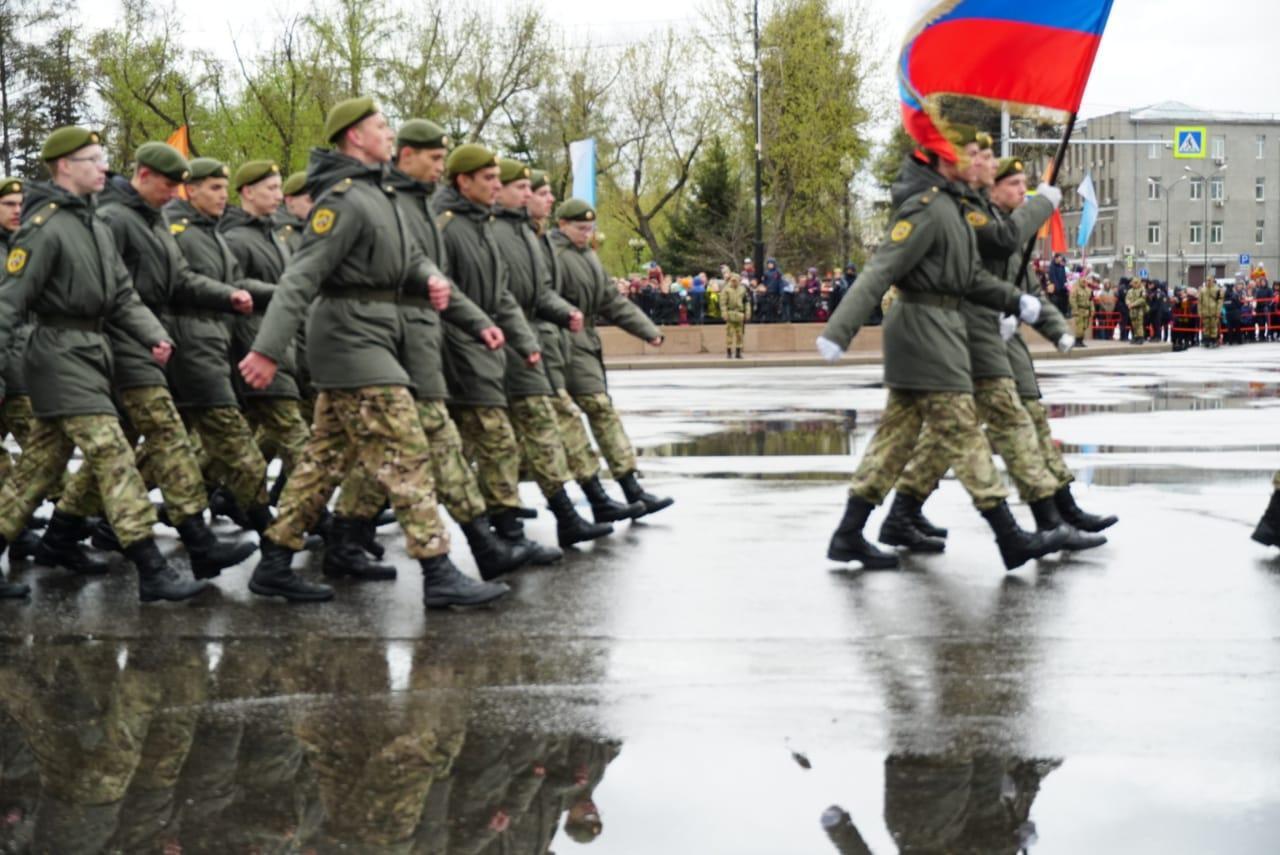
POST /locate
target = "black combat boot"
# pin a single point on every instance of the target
(922, 524)
(1048, 519)
(728, 353)
(570, 527)
(526, 513)
(635, 493)
(507, 525)
(343, 555)
(104, 537)
(1268, 531)
(848, 544)
(157, 580)
(367, 536)
(222, 503)
(273, 577)
(444, 585)
(318, 536)
(24, 546)
(898, 528)
(259, 518)
(1017, 547)
(386, 516)
(209, 556)
(38, 521)
(495, 556)
(1077, 518)
(10, 590)
(605, 509)
(60, 546)
(739, 353)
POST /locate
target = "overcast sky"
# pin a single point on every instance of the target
(1215, 55)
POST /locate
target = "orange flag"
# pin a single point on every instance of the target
(1057, 232)
(179, 140)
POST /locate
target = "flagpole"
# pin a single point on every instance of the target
(1052, 180)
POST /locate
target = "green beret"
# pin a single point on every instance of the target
(345, 114)
(469, 158)
(207, 167)
(1009, 167)
(961, 135)
(575, 210)
(295, 184)
(67, 140)
(165, 159)
(254, 171)
(513, 170)
(9, 186)
(422, 133)
(538, 179)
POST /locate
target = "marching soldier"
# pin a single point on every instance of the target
(1136, 300)
(292, 221)
(365, 414)
(1210, 312)
(64, 268)
(584, 284)
(736, 308)
(932, 256)
(1082, 309)
(165, 282)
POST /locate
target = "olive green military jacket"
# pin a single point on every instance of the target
(358, 257)
(1136, 298)
(291, 229)
(161, 275)
(931, 254)
(530, 284)
(554, 338)
(1210, 300)
(200, 370)
(734, 305)
(15, 379)
(63, 266)
(1081, 298)
(585, 285)
(262, 251)
(476, 374)
(423, 354)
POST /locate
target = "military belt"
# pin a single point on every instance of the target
(416, 301)
(70, 322)
(940, 301)
(201, 314)
(364, 295)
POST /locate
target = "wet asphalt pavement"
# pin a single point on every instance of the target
(706, 682)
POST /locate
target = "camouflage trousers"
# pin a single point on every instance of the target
(1083, 325)
(279, 430)
(936, 425)
(108, 460)
(1049, 451)
(228, 454)
(456, 484)
(733, 334)
(607, 428)
(377, 429)
(1211, 325)
(1012, 434)
(1138, 321)
(584, 462)
(165, 459)
(538, 432)
(15, 418)
(489, 439)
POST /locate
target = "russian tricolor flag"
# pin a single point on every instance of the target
(1019, 51)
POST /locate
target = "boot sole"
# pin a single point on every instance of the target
(567, 541)
(1097, 527)
(1076, 546)
(1263, 539)
(213, 568)
(869, 562)
(448, 602)
(655, 507)
(59, 565)
(155, 598)
(291, 596)
(890, 539)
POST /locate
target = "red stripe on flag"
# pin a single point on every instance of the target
(1058, 233)
(922, 129)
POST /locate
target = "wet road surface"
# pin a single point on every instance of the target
(707, 682)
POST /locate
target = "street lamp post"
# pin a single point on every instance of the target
(1168, 194)
(1204, 233)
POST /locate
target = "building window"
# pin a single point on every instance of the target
(1153, 233)
(1217, 190)
(1262, 146)
(1218, 148)
(1197, 233)
(1153, 151)
(1259, 229)
(1215, 232)
(1197, 189)
(1260, 190)
(1153, 188)
(1111, 190)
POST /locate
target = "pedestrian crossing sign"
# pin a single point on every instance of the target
(1188, 143)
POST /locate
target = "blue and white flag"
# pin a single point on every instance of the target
(1089, 214)
(582, 160)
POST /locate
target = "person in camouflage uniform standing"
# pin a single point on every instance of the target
(584, 284)
(735, 306)
(1136, 300)
(932, 255)
(365, 413)
(529, 391)
(421, 147)
(1003, 221)
(1082, 309)
(1210, 312)
(200, 371)
(262, 248)
(166, 283)
(64, 268)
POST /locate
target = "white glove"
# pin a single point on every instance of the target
(1028, 309)
(1008, 326)
(829, 349)
(1053, 194)
(1067, 342)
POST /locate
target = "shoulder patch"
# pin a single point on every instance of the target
(16, 262)
(322, 220)
(443, 221)
(901, 231)
(42, 216)
(342, 186)
(976, 219)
